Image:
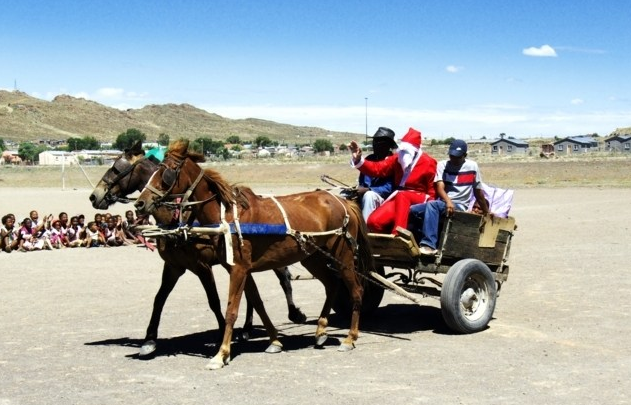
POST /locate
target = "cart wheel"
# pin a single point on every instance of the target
(467, 298)
(370, 302)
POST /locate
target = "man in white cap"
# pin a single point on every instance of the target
(457, 179)
(413, 172)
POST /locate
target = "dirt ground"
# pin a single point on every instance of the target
(72, 321)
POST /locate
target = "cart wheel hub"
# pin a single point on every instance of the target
(468, 298)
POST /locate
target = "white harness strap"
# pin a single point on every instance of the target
(227, 237)
(289, 231)
(284, 213)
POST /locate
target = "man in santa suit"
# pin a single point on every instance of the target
(413, 172)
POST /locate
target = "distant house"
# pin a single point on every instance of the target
(10, 157)
(619, 143)
(509, 146)
(57, 158)
(576, 144)
(98, 157)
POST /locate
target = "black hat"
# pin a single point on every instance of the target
(385, 134)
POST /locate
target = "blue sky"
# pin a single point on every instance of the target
(448, 68)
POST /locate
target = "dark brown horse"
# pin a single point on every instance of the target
(130, 173)
(320, 230)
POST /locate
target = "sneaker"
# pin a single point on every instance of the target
(428, 251)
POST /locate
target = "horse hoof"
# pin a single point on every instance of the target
(148, 348)
(297, 316)
(320, 340)
(345, 347)
(274, 348)
(216, 364)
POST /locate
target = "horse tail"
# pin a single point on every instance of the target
(365, 260)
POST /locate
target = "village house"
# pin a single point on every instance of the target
(509, 146)
(57, 158)
(618, 143)
(576, 144)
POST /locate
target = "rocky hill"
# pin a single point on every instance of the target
(23, 117)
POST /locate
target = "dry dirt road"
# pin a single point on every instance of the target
(71, 322)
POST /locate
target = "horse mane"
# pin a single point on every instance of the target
(179, 150)
(226, 193)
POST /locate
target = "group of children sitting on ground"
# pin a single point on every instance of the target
(33, 233)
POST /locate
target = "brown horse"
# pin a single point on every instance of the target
(324, 232)
(131, 172)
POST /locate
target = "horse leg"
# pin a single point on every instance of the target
(207, 278)
(294, 313)
(316, 264)
(252, 295)
(170, 275)
(248, 325)
(238, 276)
(353, 284)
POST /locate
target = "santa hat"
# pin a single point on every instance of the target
(412, 138)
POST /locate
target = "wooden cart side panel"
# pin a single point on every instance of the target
(463, 239)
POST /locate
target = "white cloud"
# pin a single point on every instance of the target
(470, 121)
(543, 51)
(577, 101)
(454, 69)
(110, 92)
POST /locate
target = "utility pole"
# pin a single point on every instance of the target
(366, 99)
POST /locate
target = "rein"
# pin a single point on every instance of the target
(127, 172)
(178, 201)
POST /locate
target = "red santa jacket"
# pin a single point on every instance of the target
(420, 180)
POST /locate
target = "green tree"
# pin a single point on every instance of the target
(234, 140)
(127, 139)
(91, 143)
(163, 139)
(27, 151)
(87, 142)
(343, 147)
(202, 145)
(262, 141)
(322, 145)
(2, 146)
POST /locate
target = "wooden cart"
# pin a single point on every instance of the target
(467, 273)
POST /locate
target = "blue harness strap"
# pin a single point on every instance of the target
(252, 229)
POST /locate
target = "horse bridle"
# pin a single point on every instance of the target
(109, 197)
(180, 200)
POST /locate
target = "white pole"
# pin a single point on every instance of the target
(63, 171)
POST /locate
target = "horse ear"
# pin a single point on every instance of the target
(136, 148)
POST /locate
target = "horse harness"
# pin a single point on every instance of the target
(121, 173)
(181, 203)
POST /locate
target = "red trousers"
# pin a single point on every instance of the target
(394, 211)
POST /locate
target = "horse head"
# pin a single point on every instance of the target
(175, 178)
(129, 172)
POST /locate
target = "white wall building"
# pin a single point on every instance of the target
(57, 158)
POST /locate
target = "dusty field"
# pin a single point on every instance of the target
(72, 321)
(512, 173)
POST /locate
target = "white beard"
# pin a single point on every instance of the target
(405, 159)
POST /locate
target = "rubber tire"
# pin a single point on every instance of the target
(373, 294)
(465, 275)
